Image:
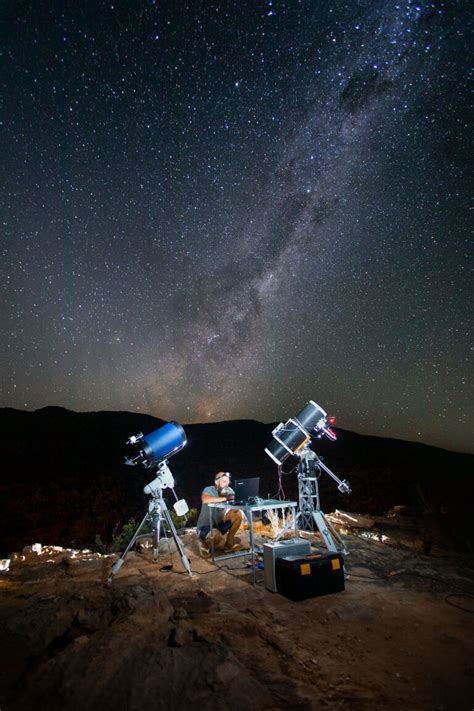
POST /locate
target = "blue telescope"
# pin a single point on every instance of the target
(151, 449)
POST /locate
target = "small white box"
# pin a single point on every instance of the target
(181, 507)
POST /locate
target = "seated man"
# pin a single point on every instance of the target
(225, 524)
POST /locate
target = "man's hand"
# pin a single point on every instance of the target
(228, 495)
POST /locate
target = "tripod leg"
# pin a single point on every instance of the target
(156, 535)
(118, 563)
(323, 529)
(179, 546)
(336, 535)
(252, 546)
(326, 529)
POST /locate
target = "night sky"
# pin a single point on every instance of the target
(219, 210)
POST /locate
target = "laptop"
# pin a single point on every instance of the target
(246, 490)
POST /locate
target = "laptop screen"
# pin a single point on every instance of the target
(246, 489)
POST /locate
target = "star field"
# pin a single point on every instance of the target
(219, 210)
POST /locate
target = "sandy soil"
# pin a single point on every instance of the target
(399, 636)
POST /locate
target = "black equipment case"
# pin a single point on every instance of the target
(300, 577)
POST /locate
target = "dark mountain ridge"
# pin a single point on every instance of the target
(64, 480)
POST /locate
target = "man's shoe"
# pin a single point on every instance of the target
(204, 549)
(234, 548)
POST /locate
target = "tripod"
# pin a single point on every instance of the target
(156, 515)
(310, 514)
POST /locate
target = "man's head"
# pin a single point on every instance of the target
(222, 480)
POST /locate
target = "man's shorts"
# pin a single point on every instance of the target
(223, 527)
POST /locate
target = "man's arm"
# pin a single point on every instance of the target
(208, 499)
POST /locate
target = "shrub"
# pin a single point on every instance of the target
(121, 540)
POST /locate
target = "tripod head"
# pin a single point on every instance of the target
(164, 480)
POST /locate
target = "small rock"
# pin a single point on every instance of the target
(180, 613)
(181, 635)
(90, 621)
(226, 672)
(81, 641)
(34, 548)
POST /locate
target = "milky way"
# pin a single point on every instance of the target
(221, 210)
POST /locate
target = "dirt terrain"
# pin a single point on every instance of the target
(399, 636)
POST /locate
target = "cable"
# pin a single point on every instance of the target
(281, 491)
(216, 569)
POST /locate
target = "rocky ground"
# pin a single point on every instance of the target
(399, 636)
